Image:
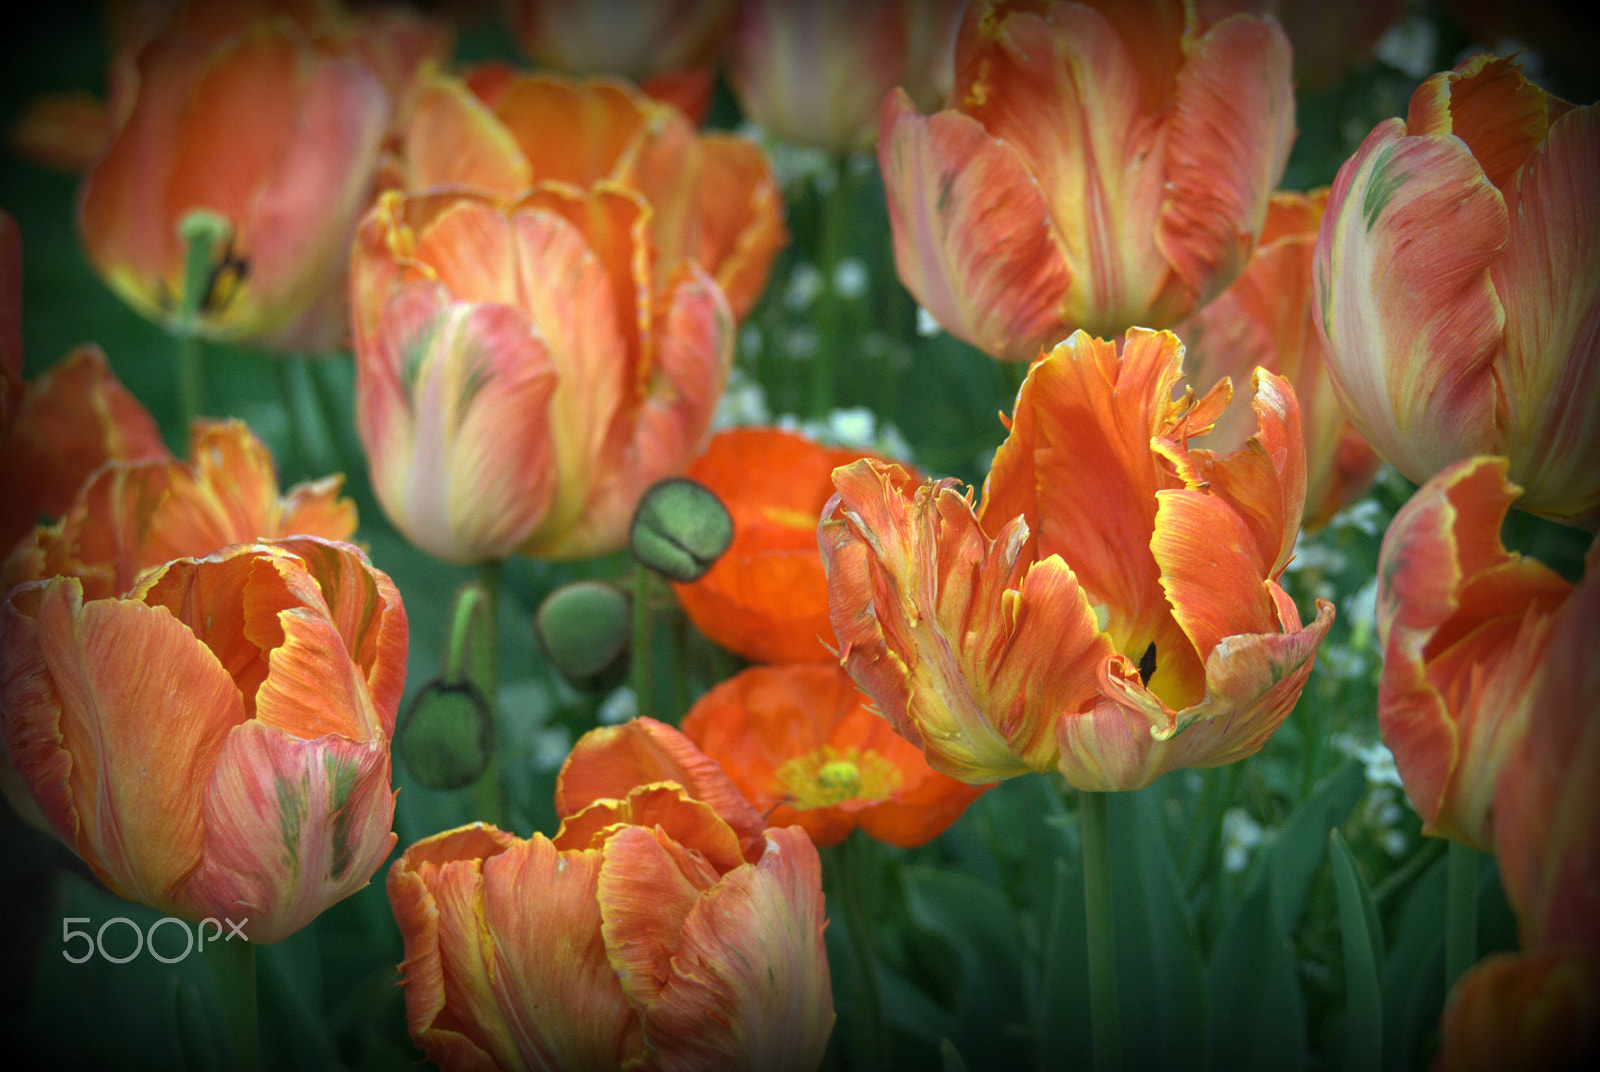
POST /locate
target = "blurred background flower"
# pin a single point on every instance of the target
(1264, 319)
(271, 120)
(814, 72)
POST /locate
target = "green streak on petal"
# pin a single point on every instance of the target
(341, 774)
(1381, 188)
(291, 817)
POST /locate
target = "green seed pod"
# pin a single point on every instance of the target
(680, 529)
(446, 735)
(585, 630)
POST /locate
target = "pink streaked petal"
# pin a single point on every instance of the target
(1231, 128)
(461, 459)
(971, 241)
(292, 827)
(1405, 300)
(751, 954)
(1549, 281)
(1097, 160)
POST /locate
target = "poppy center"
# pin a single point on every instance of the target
(829, 775)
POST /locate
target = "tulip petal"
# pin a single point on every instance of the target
(453, 138)
(741, 219)
(968, 242)
(1463, 625)
(1079, 466)
(1405, 300)
(609, 762)
(82, 685)
(293, 825)
(730, 977)
(445, 401)
(1228, 142)
(1549, 280)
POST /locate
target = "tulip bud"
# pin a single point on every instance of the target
(680, 529)
(447, 735)
(584, 630)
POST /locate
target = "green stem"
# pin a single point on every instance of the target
(307, 417)
(853, 881)
(830, 306)
(486, 662)
(642, 657)
(1102, 950)
(201, 232)
(233, 965)
(1461, 912)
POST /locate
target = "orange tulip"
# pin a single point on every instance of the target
(547, 333)
(662, 927)
(1265, 319)
(670, 49)
(801, 744)
(1547, 796)
(814, 71)
(133, 515)
(1098, 166)
(270, 118)
(1458, 284)
(1464, 626)
(70, 420)
(1112, 609)
(766, 598)
(216, 742)
(1524, 1012)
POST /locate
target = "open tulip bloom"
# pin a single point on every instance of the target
(1111, 610)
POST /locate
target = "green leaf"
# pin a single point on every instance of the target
(1362, 937)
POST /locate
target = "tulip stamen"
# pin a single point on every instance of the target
(1147, 665)
(226, 278)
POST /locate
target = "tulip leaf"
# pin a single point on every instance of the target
(1258, 1015)
(1413, 973)
(1158, 952)
(1362, 938)
(978, 924)
(1300, 849)
(950, 1057)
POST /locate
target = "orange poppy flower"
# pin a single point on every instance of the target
(802, 745)
(766, 598)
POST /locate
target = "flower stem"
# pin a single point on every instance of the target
(471, 655)
(233, 966)
(1461, 912)
(1102, 948)
(313, 440)
(201, 232)
(853, 881)
(642, 657)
